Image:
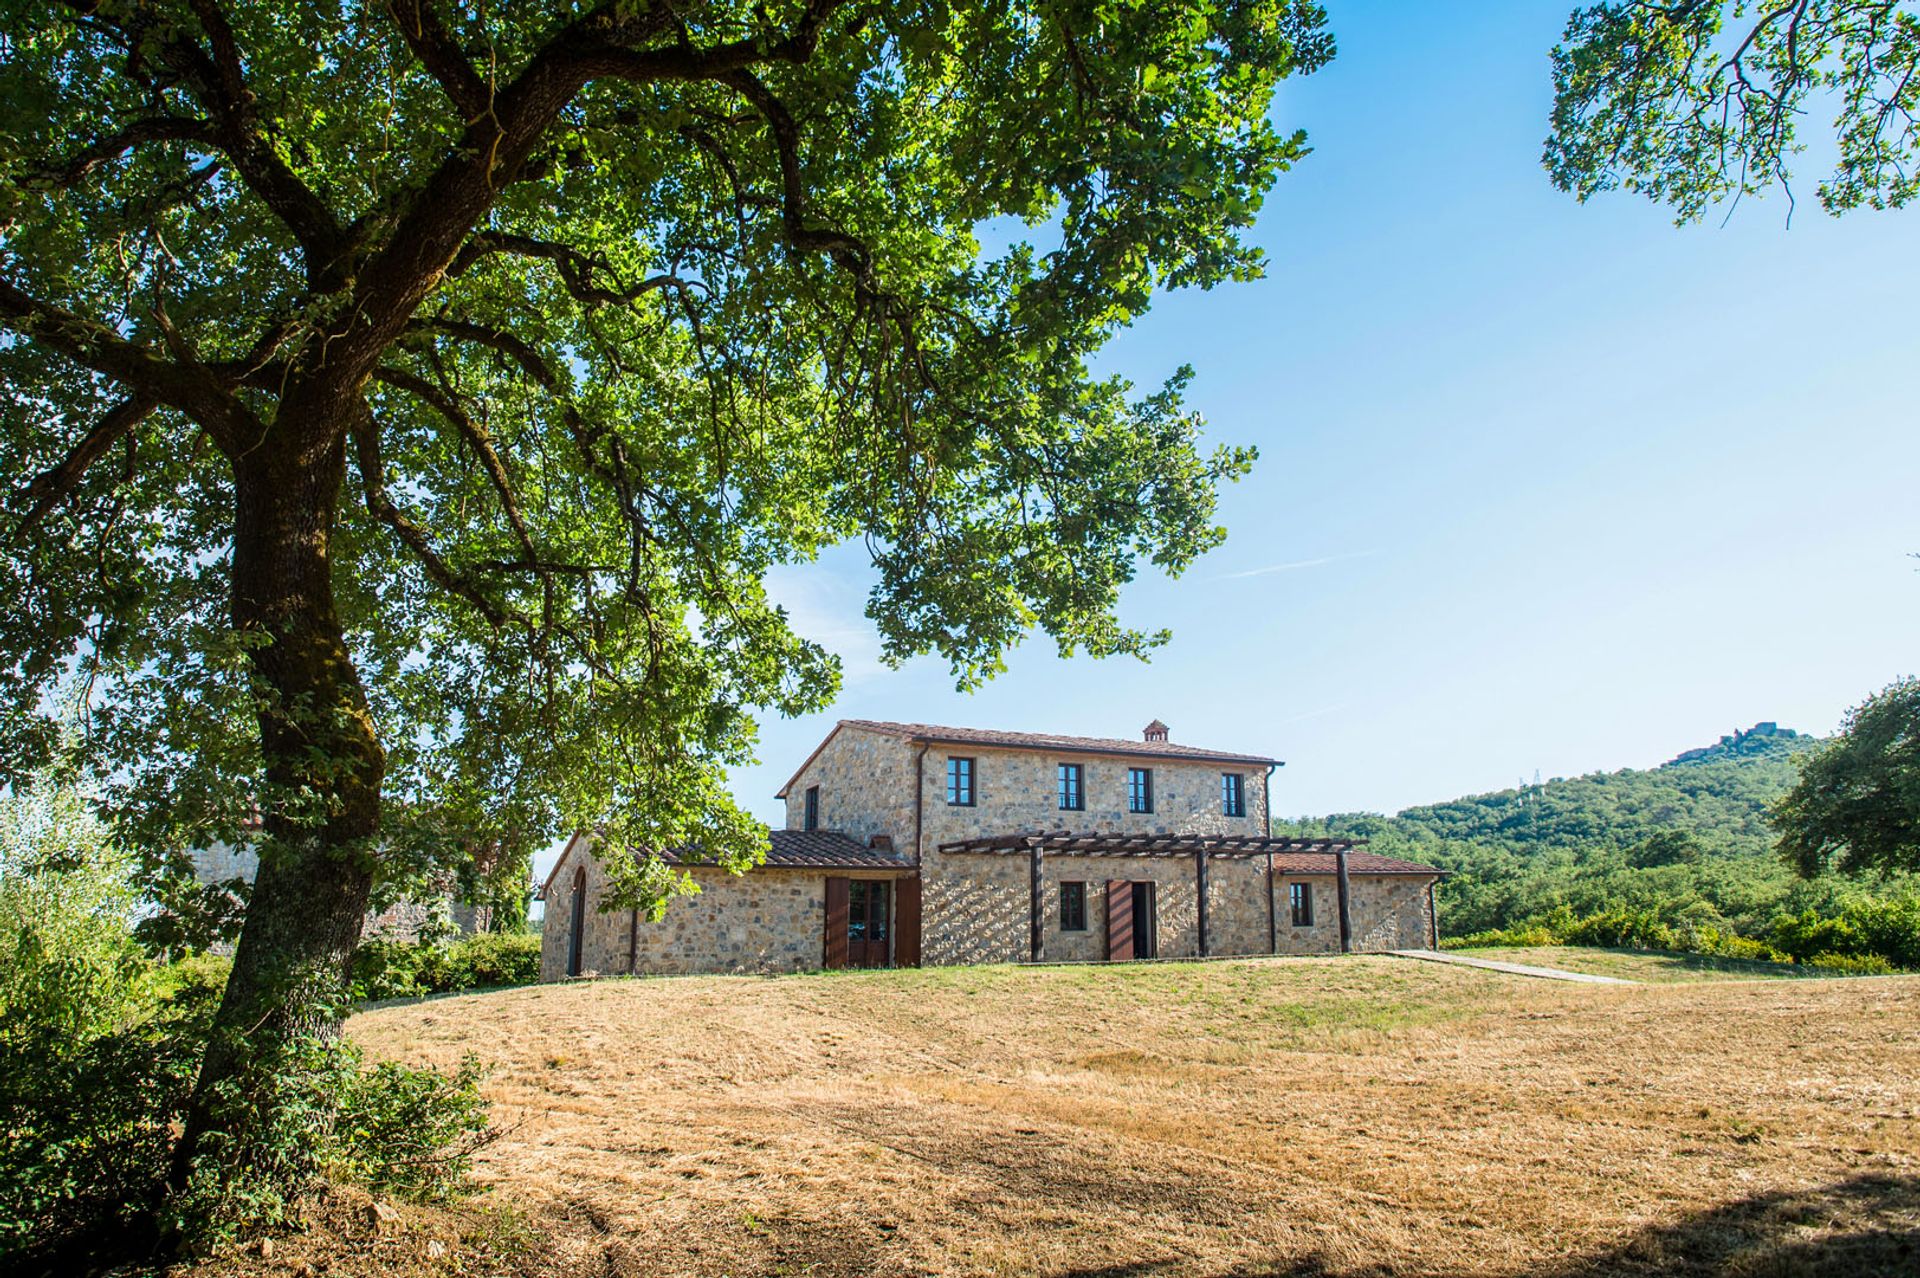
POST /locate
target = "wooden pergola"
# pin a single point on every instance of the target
(1201, 847)
(1065, 842)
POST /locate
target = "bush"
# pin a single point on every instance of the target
(399, 969)
(320, 1114)
(1623, 928)
(99, 1049)
(1853, 964)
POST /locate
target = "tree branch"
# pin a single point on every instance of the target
(444, 403)
(576, 269)
(54, 485)
(373, 483)
(114, 145)
(192, 388)
(420, 26)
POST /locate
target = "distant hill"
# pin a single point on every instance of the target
(1718, 794)
(1687, 836)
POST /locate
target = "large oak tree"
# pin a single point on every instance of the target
(406, 403)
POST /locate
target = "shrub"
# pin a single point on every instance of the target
(99, 1048)
(320, 1113)
(1626, 928)
(398, 969)
(1853, 964)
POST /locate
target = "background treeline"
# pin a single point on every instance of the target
(1675, 857)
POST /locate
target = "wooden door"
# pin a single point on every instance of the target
(1119, 920)
(836, 941)
(906, 923)
(869, 922)
(577, 923)
(1146, 930)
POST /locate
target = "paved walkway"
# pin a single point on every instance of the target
(1516, 969)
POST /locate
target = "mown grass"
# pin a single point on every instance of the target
(1355, 1116)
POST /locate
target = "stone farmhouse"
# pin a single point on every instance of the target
(910, 844)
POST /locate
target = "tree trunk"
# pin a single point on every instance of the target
(323, 768)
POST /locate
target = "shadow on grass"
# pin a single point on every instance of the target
(1862, 1227)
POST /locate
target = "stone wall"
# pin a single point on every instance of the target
(770, 919)
(401, 921)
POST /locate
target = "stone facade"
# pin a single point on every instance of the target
(771, 919)
(888, 788)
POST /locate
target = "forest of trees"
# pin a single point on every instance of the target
(1678, 856)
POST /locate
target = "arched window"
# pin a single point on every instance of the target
(578, 925)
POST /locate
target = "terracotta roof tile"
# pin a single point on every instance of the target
(812, 849)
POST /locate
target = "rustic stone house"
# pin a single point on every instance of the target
(908, 843)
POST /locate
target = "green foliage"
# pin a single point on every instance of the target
(99, 1048)
(1888, 928)
(1693, 103)
(1857, 802)
(1853, 964)
(400, 969)
(1677, 857)
(689, 294)
(317, 1111)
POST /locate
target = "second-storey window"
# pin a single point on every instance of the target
(1073, 795)
(1300, 897)
(811, 821)
(1233, 794)
(960, 782)
(1139, 789)
(1073, 907)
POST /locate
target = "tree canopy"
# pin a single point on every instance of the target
(1693, 102)
(612, 309)
(1857, 802)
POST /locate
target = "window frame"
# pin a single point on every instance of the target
(1233, 794)
(1300, 904)
(1143, 793)
(953, 788)
(1078, 899)
(810, 809)
(1070, 782)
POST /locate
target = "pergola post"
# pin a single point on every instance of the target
(1273, 914)
(1037, 941)
(1200, 885)
(1346, 910)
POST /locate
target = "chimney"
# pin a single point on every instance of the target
(881, 843)
(1156, 731)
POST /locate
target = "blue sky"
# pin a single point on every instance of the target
(1542, 486)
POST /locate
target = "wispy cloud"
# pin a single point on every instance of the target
(1294, 565)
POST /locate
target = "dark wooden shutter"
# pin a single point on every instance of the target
(906, 922)
(577, 923)
(836, 955)
(1119, 919)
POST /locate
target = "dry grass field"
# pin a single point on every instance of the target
(1296, 1116)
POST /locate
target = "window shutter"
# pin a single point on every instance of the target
(1119, 919)
(906, 922)
(836, 955)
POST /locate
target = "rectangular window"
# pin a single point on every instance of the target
(1073, 907)
(960, 782)
(1300, 896)
(1139, 789)
(812, 819)
(1233, 796)
(1072, 797)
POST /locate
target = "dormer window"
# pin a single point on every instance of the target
(811, 819)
